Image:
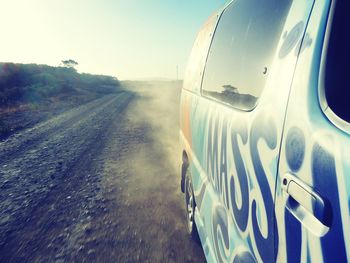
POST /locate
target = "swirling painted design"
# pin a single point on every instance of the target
(325, 180)
(263, 128)
(240, 214)
(220, 232)
(295, 154)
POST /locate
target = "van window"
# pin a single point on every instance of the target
(194, 70)
(337, 87)
(242, 51)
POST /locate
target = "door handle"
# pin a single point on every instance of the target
(307, 205)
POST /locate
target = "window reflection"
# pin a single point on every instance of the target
(230, 95)
(242, 51)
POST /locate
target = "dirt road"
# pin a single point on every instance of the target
(97, 183)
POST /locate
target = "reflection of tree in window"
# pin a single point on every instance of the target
(230, 95)
(229, 89)
(243, 48)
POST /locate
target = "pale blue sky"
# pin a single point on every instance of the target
(129, 39)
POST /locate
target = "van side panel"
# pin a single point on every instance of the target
(193, 80)
(315, 160)
(234, 155)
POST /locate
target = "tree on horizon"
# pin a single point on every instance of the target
(69, 63)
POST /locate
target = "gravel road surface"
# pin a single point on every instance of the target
(97, 183)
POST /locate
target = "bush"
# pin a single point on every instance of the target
(22, 83)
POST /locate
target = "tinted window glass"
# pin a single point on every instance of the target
(242, 51)
(338, 62)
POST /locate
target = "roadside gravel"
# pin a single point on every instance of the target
(98, 183)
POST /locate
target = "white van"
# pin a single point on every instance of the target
(265, 132)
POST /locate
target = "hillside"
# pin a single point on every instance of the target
(30, 93)
(31, 83)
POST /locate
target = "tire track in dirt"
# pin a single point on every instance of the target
(29, 138)
(29, 179)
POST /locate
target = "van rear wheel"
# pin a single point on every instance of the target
(190, 206)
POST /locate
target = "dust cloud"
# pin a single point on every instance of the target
(142, 179)
(160, 109)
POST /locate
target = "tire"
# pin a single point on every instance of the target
(184, 167)
(190, 207)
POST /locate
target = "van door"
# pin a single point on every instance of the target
(236, 126)
(313, 186)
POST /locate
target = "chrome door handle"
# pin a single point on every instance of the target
(307, 205)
